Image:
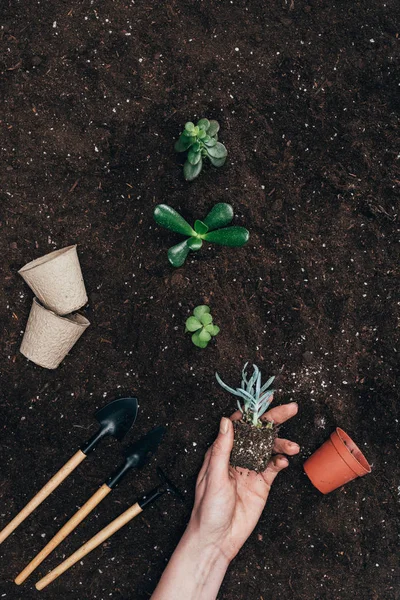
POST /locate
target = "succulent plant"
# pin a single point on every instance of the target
(201, 325)
(256, 397)
(212, 229)
(200, 141)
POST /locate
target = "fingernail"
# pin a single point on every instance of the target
(294, 445)
(223, 426)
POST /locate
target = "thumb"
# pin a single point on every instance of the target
(221, 449)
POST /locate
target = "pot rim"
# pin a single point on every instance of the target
(75, 319)
(37, 262)
(350, 452)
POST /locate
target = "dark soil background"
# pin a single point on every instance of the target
(93, 96)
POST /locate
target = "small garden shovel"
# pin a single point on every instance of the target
(116, 418)
(136, 457)
(166, 486)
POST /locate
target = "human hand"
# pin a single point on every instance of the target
(229, 501)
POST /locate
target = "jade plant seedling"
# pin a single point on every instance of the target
(212, 229)
(200, 141)
(201, 325)
(254, 438)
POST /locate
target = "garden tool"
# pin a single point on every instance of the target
(166, 486)
(116, 418)
(136, 457)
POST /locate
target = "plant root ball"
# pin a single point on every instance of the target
(252, 447)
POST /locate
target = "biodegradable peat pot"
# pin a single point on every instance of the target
(335, 463)
(49, 337)
(56, 280)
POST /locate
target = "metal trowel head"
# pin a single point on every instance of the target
(118, 416)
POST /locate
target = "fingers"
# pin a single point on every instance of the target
(221, 450)
(204, 466)
(282, 413)
(275, 465)
(282, 446)
(236, 416)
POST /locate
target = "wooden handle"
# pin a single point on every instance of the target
(42, 495)
(95, 541)
(65, 530)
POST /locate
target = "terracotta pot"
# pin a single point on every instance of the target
(56, 280)
(336, 462)
(49, 337)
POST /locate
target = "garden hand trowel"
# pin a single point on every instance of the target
(116, 418)
(166, 486)
(136, 457)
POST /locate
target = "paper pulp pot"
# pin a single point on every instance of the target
(56, 280)
(49, 337)
(335, 463)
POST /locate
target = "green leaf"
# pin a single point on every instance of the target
(177, 254)
(217, 162)
(190, 172)
(212, 329)
(217, 151)
(201, 135)
(183, 143)
(195, 243)
(203, 124)
(219, 216)
(189, 127)
(199, 311)
(210, 143)
(194, 157)
(197, 341)
(169, 218)
(196, 147)
(206, 319)
(200, 227)
(193, 324)
(204, 336)
(230, 236)
(213, 129)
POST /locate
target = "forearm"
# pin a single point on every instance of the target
(194, 572)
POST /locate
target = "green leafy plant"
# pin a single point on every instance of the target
(200, 141)
(212, 229)
(201, 325)
(256, 397)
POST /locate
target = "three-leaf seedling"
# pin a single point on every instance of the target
(212, 229)
(200, 141)
(201, 325)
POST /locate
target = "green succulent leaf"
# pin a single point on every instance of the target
(193, 324)
(203, 124)
(212, 329)
(199, 311)
(213, 128)
(230, 236)
(169, 218)
(210, 142)
(219, 216)
(189, 127)
(217, 151)
(183, 143)
(200, 227)
(206, 319)
(196, 147)
(201, 135)
(197, 341)
(204, 336)
(193, 156)
(178, 254)
(190, 171)
(217, 162)
(195, 243)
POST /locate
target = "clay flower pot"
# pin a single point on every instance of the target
(335, 463)
(49, 337)
(56, 280)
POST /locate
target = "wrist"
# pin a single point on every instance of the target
(210, 552)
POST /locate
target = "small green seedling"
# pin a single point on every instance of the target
(256, 398)
(202, 326)
(200, 141)
(213, 229)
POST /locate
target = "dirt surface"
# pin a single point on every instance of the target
(94, 94)
(253, 447)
